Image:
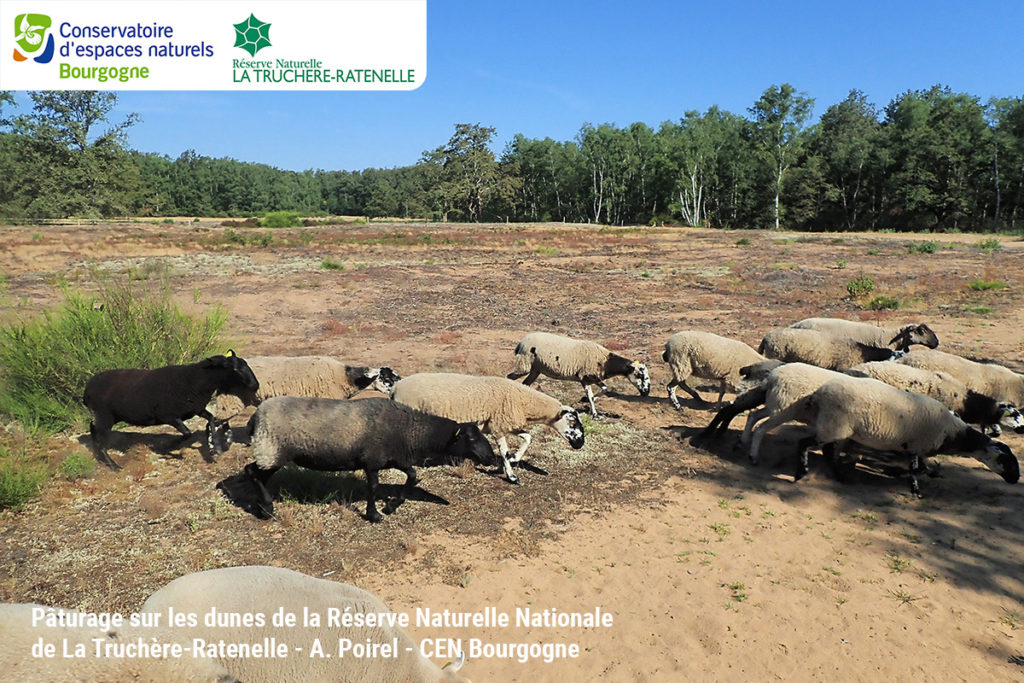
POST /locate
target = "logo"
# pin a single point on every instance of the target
(252, 35)
(32, 34)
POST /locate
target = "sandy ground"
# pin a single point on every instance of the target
(710, 569)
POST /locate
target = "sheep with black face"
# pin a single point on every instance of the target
(168, 395)
(587, 362)
(335, 435)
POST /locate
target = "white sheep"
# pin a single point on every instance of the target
(794, 345)
(783, 387)
(883, 418)
(267, 590)
(899, 338)
(103, 658)
(587, 362)
(708, 356)
(969, 405)
(498, 405)
(989, 379)
(312, 376)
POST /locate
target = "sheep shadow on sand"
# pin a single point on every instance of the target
(166, 445)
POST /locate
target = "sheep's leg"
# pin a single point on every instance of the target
(212, 433)
(721, 391)
(590, 397)
(99, 429)
(753, 418)
(371, 504)
(527, 440)
(691, 391)
(831, 452)
(503, 451)
(531, 378)
(410, 484)
(180, 426)
(672, 395)
(802, 447)
(916, 466)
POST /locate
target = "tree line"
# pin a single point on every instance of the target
(929, 160)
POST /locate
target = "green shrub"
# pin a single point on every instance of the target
(742, 242)
(20, 479)
(980, 310)
(77, 466)
(331, 264)
(282, 219)
(880, 303)
(929, 247)
(862, 285)
(985, 285)
(45, 362)
(990, 244)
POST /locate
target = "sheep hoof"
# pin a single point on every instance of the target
(374, 516)
(513, 479)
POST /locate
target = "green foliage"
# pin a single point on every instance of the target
(990, 244)
(985, 285)
(282, 219)
(742, 242)
(881, 303)
(928, 247)
(21, 479)
(77, 466)
(331, 264)
(45, 362)
(862, 285)
(980, 310)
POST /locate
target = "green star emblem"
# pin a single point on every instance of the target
(252, 35)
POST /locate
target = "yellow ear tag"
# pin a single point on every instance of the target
(458, 430)
(230, 353)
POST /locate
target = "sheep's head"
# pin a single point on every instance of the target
(569, 425)
(639, 376)
(385, 380)
(1010, 417)
(468, 442)
(240, 375)
(996, 455)
(914, 334)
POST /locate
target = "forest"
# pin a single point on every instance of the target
(930, 160)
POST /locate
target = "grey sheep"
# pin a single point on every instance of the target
(266, 590)
(707, 356)
(337, 435)
(794, 345)
(313, 376)
(498, 405)
(899, 338)
(587, 362)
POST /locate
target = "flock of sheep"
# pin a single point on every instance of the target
(853, 384)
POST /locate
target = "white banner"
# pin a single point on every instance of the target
(213, 45)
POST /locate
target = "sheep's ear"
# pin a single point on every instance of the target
(230, 353)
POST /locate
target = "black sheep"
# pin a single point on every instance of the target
(338, 435)
(168, 395)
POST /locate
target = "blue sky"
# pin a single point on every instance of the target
(545, 68)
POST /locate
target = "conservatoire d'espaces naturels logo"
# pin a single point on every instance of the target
(252, 35)
(32, 35)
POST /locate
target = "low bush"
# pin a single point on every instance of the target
(46, 361)
(282, 219)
